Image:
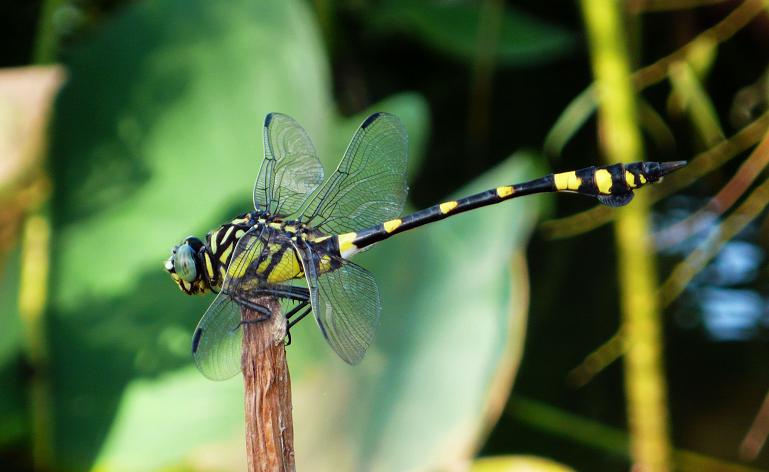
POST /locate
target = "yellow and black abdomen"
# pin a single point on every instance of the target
(613, 185)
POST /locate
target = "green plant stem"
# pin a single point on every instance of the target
(46, 41)
(33, 290)
(33, 287)
(598, 436)
(489, 26)
(621, 141)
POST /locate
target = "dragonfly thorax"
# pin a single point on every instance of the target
(201, 266)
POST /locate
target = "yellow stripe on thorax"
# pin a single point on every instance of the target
(567, 181)
(286, 269)
(228, 233)
(603, 181)
(240, 263)
(213, 241)
(209, 266)
(226, 253)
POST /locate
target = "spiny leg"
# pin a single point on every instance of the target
(300, 294)
(264, 311)
(300, 317)
(307, 308)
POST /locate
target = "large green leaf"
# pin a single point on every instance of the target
(208, 425)
(157, 135)
(13, 412)
(454, 310)
(454, 28)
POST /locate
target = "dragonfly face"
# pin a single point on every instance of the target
(185, 267)
(295, 244)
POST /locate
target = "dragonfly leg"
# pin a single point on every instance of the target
(307, 308)
(299, 294)
(296, 309)
(299, 318)
(263, 311)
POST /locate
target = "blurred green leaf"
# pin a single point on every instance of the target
(452, 323)
(157, 135)
(13, 412)
(517, 464)
(212, 437)
(453, 28)
(571, 120)
(177, 419)
(10, 324)
(689, 95)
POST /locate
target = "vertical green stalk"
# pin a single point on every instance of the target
(33, 294)
(621, 140)
(481, 89)
(33, 287)
(46, 40)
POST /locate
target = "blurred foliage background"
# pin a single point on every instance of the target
(635, 337)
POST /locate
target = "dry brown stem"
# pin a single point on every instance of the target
(269, 424)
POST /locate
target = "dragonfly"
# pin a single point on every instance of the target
(297, 242)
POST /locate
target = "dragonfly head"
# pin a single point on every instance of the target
(185, 266)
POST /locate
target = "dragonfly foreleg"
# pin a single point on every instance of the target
(307, 308)
(262, 310)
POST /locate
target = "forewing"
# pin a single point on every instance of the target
(217, 341)
(345, 302)
(216, 344)
(290, 171)
(369, 186)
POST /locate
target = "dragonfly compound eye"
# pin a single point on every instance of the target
(184, 263)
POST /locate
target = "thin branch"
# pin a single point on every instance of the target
(641, 6)
(679, 278)
(700, 220)
(685, 271)
(582, 106)
(754, 441)
(720, 32)
(600, 437)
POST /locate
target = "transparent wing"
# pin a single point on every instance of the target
(217, 341)
(290, 171)
(369, 186)
(617, 199)
(216, 344)
(345, 302)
